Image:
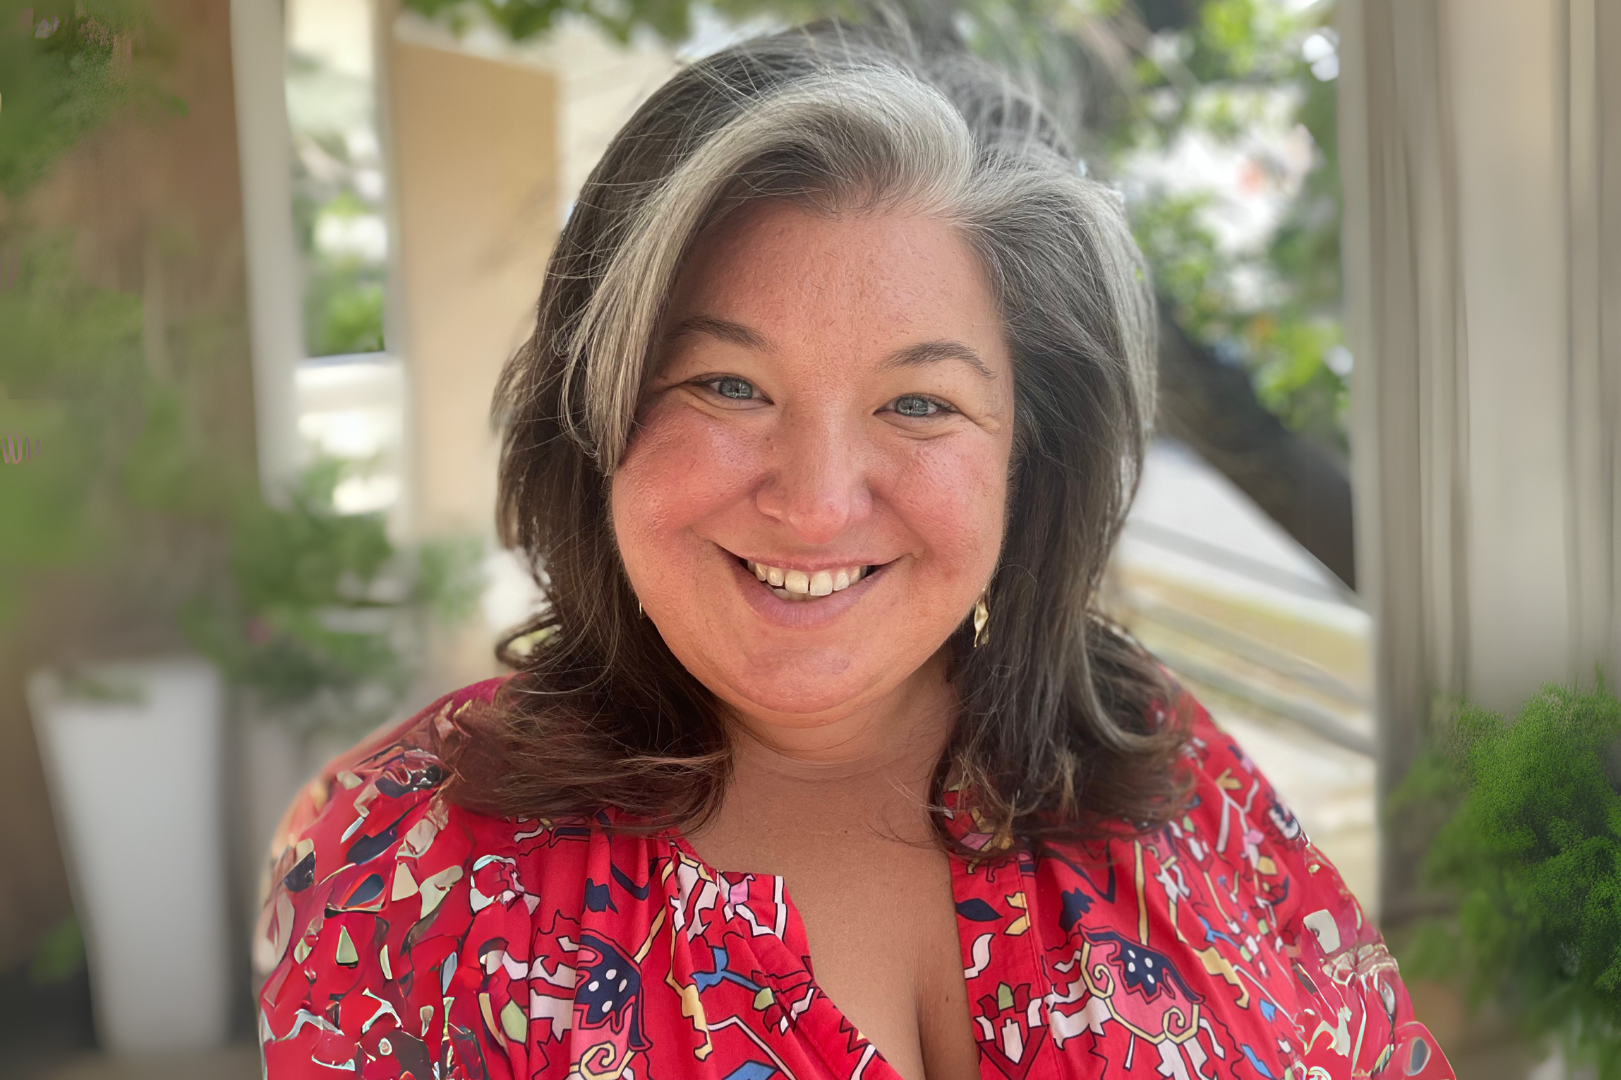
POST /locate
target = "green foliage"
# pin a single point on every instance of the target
(1190, 267)
(1291, 378)
(73, 378)
(344, 310)
(1243, 39)
(1274, 309)
(1282, 340)
(64, 69)
(1529, 847)
(59, 955)
(1305, 250)
(524, 19)
(326, 618)
(1185, 75)
(343, 298)
(670, 20)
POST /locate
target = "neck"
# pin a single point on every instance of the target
(898, 738)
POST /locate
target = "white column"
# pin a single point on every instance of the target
(1594, 444)
(1508, 84)
(275, 289)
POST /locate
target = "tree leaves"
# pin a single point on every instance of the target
(67, 68)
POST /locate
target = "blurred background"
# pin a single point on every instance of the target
(262, 260)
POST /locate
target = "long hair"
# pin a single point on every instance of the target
(1061, 727)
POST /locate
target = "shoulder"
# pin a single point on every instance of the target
(384, 898)
(1239, 915)
(1225, 778)
(418, 736)
(1234, 813)
(377, 799)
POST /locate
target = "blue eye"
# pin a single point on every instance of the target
(730, 386)
(915, 406)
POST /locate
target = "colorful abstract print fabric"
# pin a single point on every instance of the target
(406, 937)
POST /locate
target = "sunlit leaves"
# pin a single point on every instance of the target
(525, 19)
(1272, 306)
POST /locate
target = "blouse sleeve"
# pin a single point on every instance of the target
(1356, 1011)
(378, 892)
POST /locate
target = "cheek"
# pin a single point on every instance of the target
(681, 468)
(953, 494)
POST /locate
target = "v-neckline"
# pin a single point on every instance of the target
(960, 894)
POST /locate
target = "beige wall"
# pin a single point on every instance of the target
(1507, 77)
(600, 82)
(473, 142)
(474, 161)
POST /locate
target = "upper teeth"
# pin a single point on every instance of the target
(801, 583)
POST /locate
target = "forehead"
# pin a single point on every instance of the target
(805, 274)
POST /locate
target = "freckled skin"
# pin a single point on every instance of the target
(837, 725)
(820, 471)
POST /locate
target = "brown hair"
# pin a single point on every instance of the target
(1062, 726)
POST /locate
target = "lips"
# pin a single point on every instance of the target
(776, 606)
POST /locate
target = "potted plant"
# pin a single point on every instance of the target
(1527, 849)
(320, 633)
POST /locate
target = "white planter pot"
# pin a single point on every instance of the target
(135, 784)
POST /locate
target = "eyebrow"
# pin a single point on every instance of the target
(921, 354)
(730, 332)
(934, 352)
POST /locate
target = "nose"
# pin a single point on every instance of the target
(817, 478)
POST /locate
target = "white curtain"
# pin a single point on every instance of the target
(1481, 156)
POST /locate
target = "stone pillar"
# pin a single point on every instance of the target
(152, 201)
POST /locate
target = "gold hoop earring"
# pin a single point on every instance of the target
(982, 618)
(639, 610)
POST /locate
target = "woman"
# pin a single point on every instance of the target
(836, 401)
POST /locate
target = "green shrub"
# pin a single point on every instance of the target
(1530, 850)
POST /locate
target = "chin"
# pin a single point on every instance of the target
(818, 687)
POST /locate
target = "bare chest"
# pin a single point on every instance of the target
(881, 926)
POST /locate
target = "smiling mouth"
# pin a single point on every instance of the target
(801, 585)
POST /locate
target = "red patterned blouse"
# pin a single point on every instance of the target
(407, 937)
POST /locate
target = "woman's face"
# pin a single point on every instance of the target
(833, 412)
